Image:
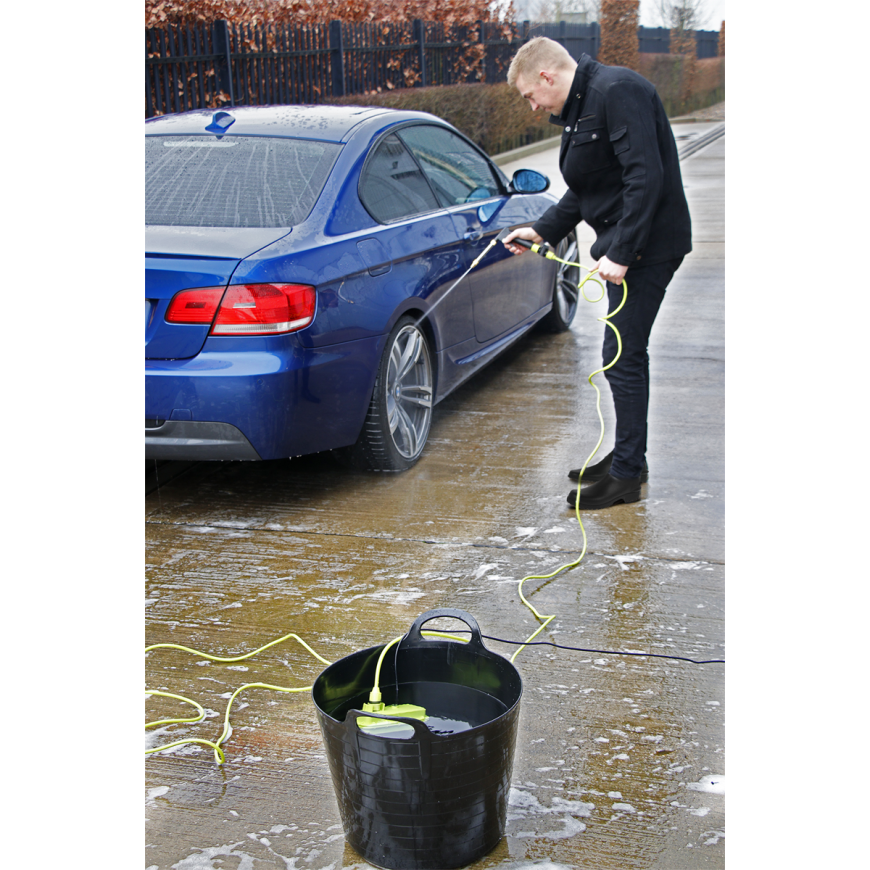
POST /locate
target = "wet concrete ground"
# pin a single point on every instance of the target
(614, 753)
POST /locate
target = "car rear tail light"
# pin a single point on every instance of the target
(194, 306)
(265, 309)
(246, 309)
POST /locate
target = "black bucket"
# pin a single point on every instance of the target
(428, 800)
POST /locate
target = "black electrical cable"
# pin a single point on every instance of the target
(607, 652)
(396, 666)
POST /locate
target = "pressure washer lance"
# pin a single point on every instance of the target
(482, 254)
(544, 250)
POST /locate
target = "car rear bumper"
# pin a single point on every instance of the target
(196, 440)
(230, 403)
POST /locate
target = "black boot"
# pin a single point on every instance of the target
(606, 492)
(596, 472)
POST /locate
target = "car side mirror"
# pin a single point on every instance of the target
(529, 181)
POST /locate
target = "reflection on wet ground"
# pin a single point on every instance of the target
(618, 758)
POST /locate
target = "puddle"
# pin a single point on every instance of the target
(709, 784)
(524, 809)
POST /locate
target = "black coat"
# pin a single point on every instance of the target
(620, 163)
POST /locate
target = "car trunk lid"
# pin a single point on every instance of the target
(182, 258)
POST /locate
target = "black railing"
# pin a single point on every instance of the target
(204, 66)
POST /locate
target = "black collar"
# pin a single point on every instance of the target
(586, 68)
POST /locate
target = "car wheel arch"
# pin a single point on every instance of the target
(425, 323)
(396, 426)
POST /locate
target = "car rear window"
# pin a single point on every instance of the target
(202, 181)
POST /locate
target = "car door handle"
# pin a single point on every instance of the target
(473, 236)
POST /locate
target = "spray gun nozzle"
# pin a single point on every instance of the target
(506, 232)
(543, 249)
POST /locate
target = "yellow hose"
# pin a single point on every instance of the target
(375, 696)
(606, 319)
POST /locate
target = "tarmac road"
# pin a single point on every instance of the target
(615, 754)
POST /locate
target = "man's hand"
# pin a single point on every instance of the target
(609, 270)
(522, 233)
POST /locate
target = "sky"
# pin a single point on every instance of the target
(716, 14)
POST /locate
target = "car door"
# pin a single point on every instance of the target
(418, 236)
(505, 290)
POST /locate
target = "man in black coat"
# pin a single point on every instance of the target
(619, 160)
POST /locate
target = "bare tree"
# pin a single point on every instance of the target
(683, 18)
(681, 15)
(555, 10)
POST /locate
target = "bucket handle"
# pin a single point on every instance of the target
(414, 638)
(421, 732)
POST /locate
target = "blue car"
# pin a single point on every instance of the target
(301, 280)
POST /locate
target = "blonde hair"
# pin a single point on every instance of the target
(538, 54)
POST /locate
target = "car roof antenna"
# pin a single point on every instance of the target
(220, 122)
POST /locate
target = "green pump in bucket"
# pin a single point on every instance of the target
(384, 726)
(427, 790)
(370, 724)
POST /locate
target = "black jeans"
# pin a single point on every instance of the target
(629, 378)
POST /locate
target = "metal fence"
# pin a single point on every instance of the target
(658, 40)
(201, 65)
(577, 38)
(215, 64)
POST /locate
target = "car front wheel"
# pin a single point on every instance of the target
(565, 293)
(397, 423)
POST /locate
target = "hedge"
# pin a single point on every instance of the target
(668, 73)
(498, 119)
(495, 117)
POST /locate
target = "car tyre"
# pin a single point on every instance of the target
(565, 292)
(400, 412)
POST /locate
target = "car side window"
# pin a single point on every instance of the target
(458, 172)
(392, 186)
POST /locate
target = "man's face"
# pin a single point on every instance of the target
(542, 91)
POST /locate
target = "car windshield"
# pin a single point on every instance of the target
(199, 181)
